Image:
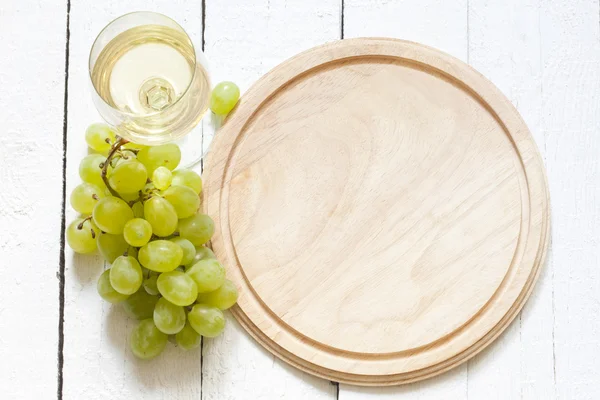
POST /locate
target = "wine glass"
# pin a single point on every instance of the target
(150, 82)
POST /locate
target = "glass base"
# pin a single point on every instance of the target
(196, 144)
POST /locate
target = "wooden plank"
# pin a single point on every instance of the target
(570, 51)
(243, 41)
(412, 20)
(31, 110)
(451, 385)
(97, 361)
(504, 45)
(437, 23)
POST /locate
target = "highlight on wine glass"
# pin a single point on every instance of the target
(149, 80)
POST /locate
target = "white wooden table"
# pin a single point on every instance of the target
(58, 338)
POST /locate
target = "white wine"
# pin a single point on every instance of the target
(150, 78)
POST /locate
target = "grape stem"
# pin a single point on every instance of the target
(80, 226)
(113, 150)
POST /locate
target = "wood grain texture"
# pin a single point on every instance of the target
(504, 45)
(244, 40)
(348, 266)
(31, 110)
(397, 19)
(571, 119)
(98, 362)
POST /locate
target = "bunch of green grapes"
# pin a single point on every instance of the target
(142, 215)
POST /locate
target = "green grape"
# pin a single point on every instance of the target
(132, 252)
(160, 256)
(128, 177)
(149, 187)
(106, 291)
(177, 287)
(140, 305)
(166, 155)
(111, 246)
(205, 252)
(168, 317)
(202, 253)
(161, 177)
(90, 171)
(222, 298)
(111, 214)
(224, 97)
(208, 274)
(206, 320)
(150, 284)
(96, 136)
(185, 201)
(133, 146)
(198, 229)
(85, 196)
(126, 275)
(125, 156)
(138, 209)
(137, 232)
(161, 215)
(81, 235)
(189, 251)
(146, 340)
(129, 197)
(187, 177)
(188, 338)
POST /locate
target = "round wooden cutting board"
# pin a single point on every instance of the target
(382, 208)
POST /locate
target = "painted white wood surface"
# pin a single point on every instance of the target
(543, 54)
(97, 361)
(32, 65)
(244, 40)
(570, 50)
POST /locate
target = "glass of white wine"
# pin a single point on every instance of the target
(149, 80)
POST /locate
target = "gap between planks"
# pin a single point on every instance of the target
(61, 262)
(342, 23)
